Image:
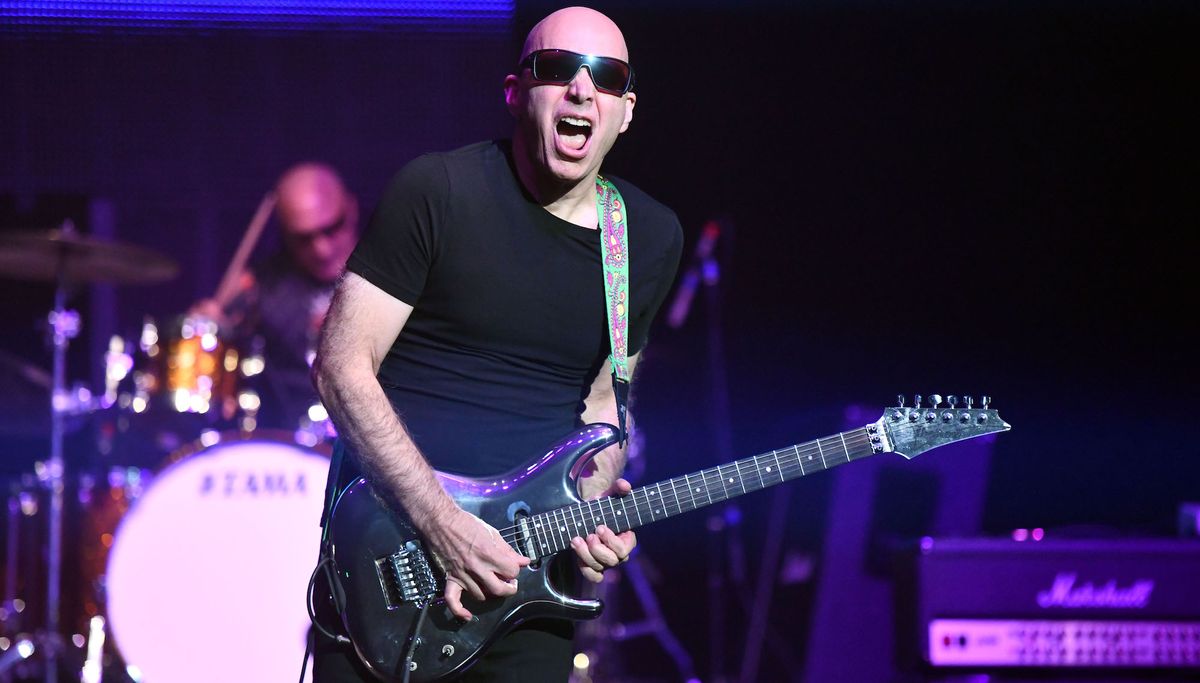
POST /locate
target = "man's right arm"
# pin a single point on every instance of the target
(362, 323)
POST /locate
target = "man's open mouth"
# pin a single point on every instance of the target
(574, 132)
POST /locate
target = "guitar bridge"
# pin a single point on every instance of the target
(406, 576)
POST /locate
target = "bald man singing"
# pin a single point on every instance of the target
(470, 331)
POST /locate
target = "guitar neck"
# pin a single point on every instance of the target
(551, 532)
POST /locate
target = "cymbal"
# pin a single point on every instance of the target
(39, 255)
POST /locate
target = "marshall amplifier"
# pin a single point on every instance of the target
(1120, 605)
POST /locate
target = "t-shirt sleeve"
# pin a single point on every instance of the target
(399, 245)
(664, 272)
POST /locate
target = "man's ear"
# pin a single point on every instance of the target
(630, 101)
(512, 93)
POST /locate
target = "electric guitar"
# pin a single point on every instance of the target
(392, 608)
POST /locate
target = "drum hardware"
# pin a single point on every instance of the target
(66, 258)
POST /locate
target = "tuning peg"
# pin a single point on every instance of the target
(899, 400)
(985, 401)
(969, 401)
(935, 400)
(953, 401)
(916, 400)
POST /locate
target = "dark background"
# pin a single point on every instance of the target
(919, 197)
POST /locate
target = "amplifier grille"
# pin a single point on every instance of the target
(1063, 643)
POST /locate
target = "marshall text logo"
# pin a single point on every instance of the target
(1064, 593)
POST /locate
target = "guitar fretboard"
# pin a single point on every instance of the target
(551, 532)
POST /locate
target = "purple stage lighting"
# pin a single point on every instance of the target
(182, 16)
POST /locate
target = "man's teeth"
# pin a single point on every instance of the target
(576, 122)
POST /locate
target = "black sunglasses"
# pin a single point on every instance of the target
(559, 67)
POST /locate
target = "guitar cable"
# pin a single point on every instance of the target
(412, 638)
(325, 563)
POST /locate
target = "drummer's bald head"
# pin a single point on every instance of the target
(318, 218)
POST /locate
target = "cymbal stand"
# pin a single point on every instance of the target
(64, 326)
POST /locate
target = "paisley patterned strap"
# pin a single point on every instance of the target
(614, 252)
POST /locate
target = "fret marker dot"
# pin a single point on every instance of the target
(618, 512)
(768, 469)
(810, 457)
(731, 480)
(562, 528)
(697, 489)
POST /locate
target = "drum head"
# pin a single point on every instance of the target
(208, 571)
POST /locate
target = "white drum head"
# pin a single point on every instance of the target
(208, 571)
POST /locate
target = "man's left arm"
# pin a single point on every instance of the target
(602, 477)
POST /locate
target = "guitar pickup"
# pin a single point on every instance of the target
(406, 576)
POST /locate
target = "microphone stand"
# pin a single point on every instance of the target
(705, 270)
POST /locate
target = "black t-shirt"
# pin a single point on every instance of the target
(508, 327)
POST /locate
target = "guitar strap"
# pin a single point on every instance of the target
(614, 257)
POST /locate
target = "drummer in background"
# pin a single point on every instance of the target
(279, 307)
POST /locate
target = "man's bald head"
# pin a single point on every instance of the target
(318, 218)
(578, 29)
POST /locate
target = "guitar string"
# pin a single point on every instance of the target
(857, 437)
(788, 468)
(710, 477)
(793, 462)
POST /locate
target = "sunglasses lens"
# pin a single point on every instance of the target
(556, 67)
(560, 66)
(609, 74)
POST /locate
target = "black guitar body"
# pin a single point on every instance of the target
(384, 572)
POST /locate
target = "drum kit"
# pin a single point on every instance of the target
(193, 568)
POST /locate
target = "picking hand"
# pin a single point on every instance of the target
(475, 558)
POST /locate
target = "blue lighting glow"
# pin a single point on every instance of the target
(272, 15)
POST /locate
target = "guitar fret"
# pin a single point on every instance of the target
(842, 436)
(614, 523)
(778, 467)
(636, 508)
(547, 524)
(576, 523)
(535, 523)
(724, 483)
(560, 528)
(675, 494)
(822, 452)
(799, 460)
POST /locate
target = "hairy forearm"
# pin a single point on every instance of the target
(382, 446)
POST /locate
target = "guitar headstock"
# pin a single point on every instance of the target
(912, 430)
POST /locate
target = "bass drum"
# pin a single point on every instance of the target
(208, 571)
